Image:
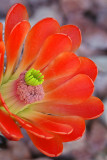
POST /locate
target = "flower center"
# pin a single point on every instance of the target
(29, 86)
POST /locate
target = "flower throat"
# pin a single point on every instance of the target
(29, 86)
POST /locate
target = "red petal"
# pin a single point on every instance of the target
(88, 67)
(14, 46)
(54, 83)
(4, 104)
(74, 33)
(1, 31)
(41, 120)
(77, 123)
(35, 40)
(9, 128)
(2, 51)
(89, 109)
(74, 91)
(51, 148)
(78, 126)
(52, 47)
(16, 14)
(44, 122)
(58, 128)
(64, 64)
(33, 128)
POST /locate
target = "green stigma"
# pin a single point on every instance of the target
(34, 77)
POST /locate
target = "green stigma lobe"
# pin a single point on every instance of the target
(34, 77)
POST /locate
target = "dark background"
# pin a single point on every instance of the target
(91, 17)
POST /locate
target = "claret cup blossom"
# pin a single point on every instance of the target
(48, 91)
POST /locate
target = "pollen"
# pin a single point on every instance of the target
(28, 93)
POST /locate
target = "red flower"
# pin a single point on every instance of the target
(55, 111)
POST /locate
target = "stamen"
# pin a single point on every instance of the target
(33, 77)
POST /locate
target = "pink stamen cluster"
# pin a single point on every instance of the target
(26, 93)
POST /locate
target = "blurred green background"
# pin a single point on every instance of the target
(91, 17)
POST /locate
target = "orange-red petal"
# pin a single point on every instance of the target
(54, 83)
(1, 31)
(14, 46)
(2, 51)
(55, 127)
(35, 40)
(52, 47)
(76, 122)
(74, 91)
(78, 125)
(74, 33)
(87, 66)
(33, 128)
(9, 128)
(51, 148)
(89, 109)
(44, 123)
(64, 64)
(27, 125)
(16, 14)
